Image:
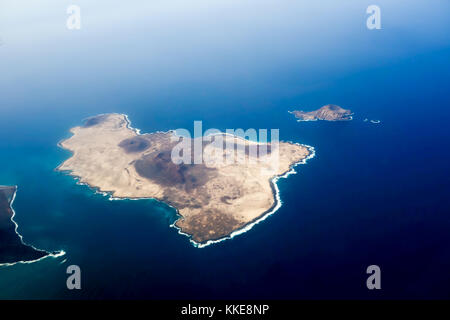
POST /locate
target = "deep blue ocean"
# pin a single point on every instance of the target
(374, 193)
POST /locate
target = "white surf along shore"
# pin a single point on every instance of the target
(55, 254)
(273, 181)
(264, 216)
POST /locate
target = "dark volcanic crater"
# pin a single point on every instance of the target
(135, 144)
(92, 121)
(158, 166)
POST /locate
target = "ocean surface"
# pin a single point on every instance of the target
(373, 194)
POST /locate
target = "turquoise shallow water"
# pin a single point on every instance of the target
(374, 193)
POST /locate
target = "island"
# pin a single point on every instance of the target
(330, 112)
(214, 200)
(12, 248)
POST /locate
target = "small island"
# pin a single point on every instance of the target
(12, 248)
(214, 201)
(330, 112)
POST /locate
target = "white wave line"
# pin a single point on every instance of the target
(49, 254)
(242, 230)
(250, 225)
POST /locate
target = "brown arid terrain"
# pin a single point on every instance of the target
(329, 112)
(213, 198)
